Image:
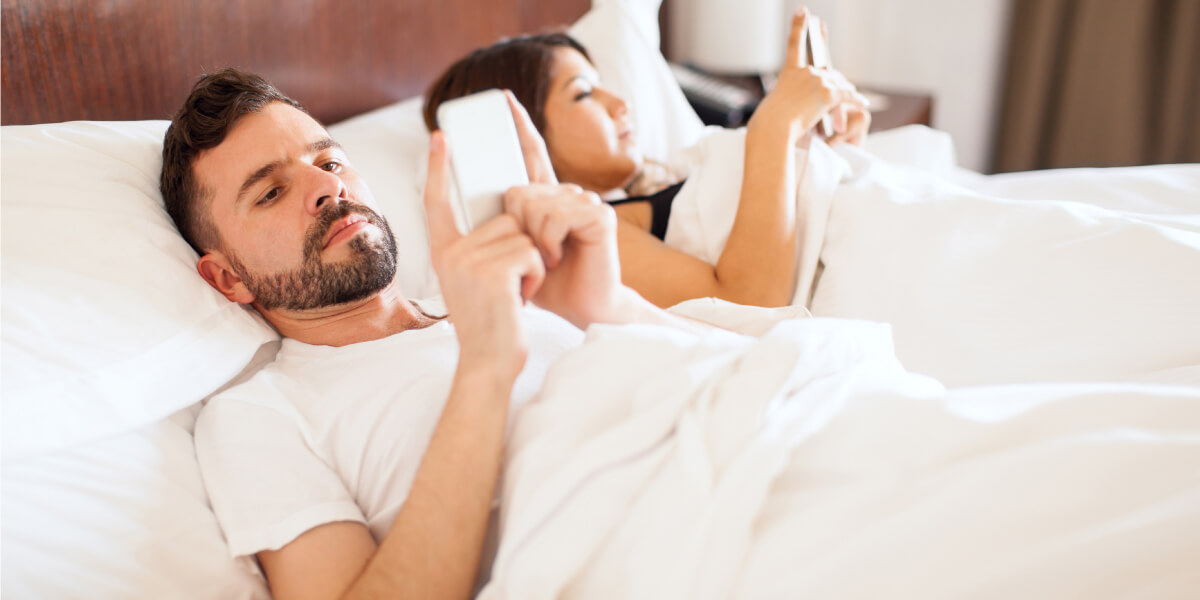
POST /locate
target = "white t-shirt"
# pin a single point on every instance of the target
(328, 434)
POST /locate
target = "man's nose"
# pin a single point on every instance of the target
(324, 187)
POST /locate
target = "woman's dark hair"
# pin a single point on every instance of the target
(215, 103)
(521, 64)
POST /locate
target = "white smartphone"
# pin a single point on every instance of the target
(485, 154)
(815, 51)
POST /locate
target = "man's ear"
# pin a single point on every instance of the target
(215, 268)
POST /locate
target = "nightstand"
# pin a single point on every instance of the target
(891, 109)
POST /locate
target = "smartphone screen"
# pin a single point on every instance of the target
(485, 154)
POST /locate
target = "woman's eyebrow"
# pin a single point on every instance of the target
(572, 80)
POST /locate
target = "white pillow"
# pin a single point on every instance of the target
(981, 289)
(622, 39)
(123, 517)
(390, 146)
(106, 325)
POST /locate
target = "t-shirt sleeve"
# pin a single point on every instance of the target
(266, 483)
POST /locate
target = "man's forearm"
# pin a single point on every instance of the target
(633, 308)
(434, 546)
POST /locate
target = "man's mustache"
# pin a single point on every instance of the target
(317, 231)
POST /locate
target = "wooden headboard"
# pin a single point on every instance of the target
(137, 59)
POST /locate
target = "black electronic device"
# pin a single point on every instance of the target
(716, 102)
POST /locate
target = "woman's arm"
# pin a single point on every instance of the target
(758, 264)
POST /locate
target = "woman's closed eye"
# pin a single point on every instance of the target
(584, 93)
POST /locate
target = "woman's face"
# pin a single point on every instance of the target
(589, 131)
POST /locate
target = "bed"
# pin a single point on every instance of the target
(1074, 289)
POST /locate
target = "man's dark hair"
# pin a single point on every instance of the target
(521, 64)
(216, 102)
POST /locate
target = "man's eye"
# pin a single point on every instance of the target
(271, 195)
(332, 166)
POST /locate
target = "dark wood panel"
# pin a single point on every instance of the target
(136, 59)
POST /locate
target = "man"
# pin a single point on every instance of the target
(364, 460)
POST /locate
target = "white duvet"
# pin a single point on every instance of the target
(809, 463)
(1049, 447)
(1083, 275)
(1071, 275)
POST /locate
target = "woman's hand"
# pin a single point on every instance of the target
(803, 94)
(856, 119)
(858, 122)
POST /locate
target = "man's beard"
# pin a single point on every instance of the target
(316, 284)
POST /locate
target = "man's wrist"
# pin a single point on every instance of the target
(625, 306)
(631, 307)
(488, 375)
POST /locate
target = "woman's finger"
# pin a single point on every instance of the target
(853, 95)
(857, 124)
(797, 38)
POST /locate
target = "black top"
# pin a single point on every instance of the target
(660, 204)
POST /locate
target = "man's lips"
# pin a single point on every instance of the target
(345, 228)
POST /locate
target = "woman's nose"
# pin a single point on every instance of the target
(617, 106)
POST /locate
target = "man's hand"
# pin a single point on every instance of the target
(485, 276)
(574, 232)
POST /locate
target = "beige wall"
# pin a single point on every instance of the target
(954, 49)
(951, 49)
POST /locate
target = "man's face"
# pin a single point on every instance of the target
(296, 223)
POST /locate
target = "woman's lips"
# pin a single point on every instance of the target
(345, 228)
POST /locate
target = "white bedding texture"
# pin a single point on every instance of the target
(999, 395)
(808, 463)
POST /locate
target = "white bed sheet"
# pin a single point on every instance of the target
(808, 463)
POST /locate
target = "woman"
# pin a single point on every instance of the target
(592, 143)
